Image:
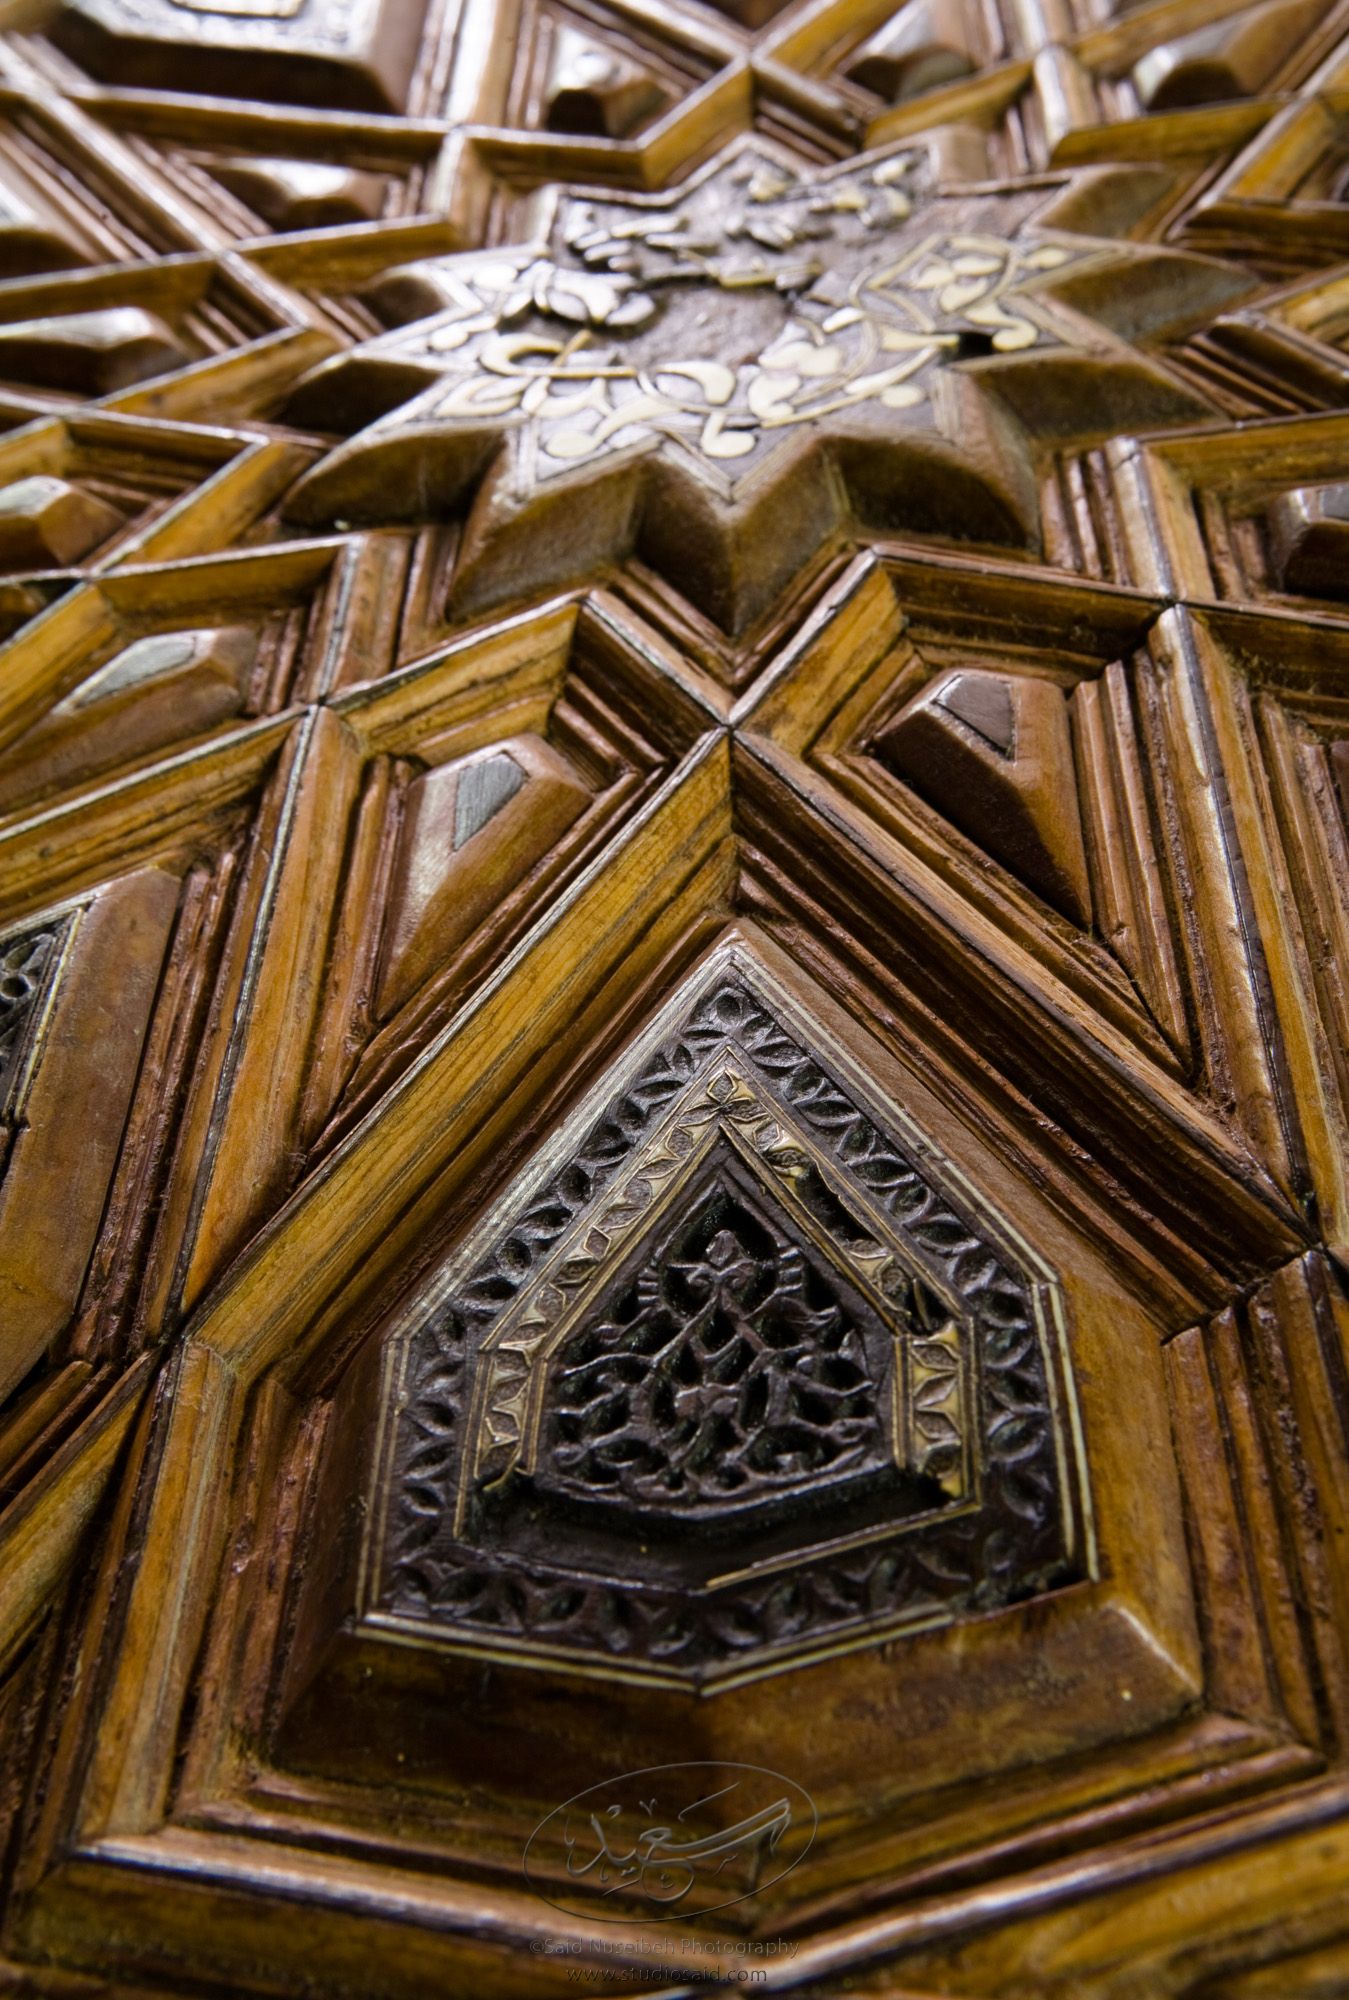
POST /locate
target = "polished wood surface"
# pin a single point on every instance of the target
(674, 1045)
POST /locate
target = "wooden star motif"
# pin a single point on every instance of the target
(756, 338)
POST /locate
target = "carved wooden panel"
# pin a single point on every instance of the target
(674, 1048)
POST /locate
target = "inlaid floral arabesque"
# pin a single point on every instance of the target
(730, 314)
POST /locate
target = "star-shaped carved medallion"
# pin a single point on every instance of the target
(756, 340)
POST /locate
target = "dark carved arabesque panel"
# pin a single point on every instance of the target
(28, 960)
(726, 1367)
(732, 1363)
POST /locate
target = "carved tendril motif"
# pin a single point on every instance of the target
(24, 962)
(728, 1367)
(944, 1559)
(523, 347)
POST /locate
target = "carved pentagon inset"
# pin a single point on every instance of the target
(1309, 541)
(1005, 742)
(1227, 59)
(303, 194)
(139, 659)
(1255, 510)
(472, 831)
(44, 521)
(358, 53)
(166, 687)
(89, 488)
(595, 90)
(995, 753)
(110, 332)
(95, 352)
(461, 830)
(924, 44)
(730, 1377)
